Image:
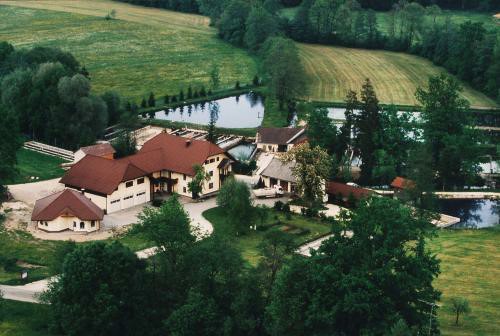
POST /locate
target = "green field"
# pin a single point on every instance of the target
(30, 163)
(470, 262)
(143, 50)
(332, 71)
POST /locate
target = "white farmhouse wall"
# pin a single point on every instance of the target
(79, 154)
(62, 223)
(210, 165)
(140, 194)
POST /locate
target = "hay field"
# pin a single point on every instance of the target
(143, 50)
(332, 71)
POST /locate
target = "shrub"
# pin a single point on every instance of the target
(157, 202)
(285, 208)
(237, 86)
(9, 264)
(278, 205)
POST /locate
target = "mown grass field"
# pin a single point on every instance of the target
(332, 71)
(143, 50)
(31, 163)
(470, 268)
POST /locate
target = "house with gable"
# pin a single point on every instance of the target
(279, 139)
(164, 164)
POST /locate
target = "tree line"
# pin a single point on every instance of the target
(481, 5)
(438, 148)
(205, 287)
(47, 94)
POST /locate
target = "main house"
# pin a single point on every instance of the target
(164, 164)
(279, 139)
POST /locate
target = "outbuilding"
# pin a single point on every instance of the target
(104, 150)
(279, 173)
(67, 210)
(279, 139)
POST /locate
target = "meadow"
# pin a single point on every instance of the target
(332, 71)
(142, 50)
(34, 164)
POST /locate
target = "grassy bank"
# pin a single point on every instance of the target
(143, 50)
(31, 163)
(301, 228)
(469, 269)
(332, 71)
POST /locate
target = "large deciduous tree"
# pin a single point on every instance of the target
(260, 25)
(312, 168)
(234, 199)
(102, 291)
(232, 22)
(385, 264)
(448, 130)
(284, 69)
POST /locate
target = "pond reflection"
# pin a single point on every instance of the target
(480, 213)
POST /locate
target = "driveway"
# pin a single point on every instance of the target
(122, 217)
(30, 192)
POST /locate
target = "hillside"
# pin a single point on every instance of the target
(332, 71)
(143, 50)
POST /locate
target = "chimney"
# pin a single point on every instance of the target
(188, 142)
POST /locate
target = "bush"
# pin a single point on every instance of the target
(278, 205)
(237, 86)
(157, 202)
(9, 265)
(285, 208)
(288, 215)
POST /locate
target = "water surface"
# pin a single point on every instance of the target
(480, 213)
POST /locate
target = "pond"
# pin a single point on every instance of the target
(473, 213)
(242, 111)
(242, 152)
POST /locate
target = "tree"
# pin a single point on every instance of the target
(113, 103)
(312, 167)
(144, 104)
(214, 116)
(232, 22)
(9, 131)
(151, 100)
(181, 95)
(321, 130)
(61, 252)
(448, 130)
(459, 306)
(212, 8)
(100, 283)
(259, 26)
(368, 130)
(346, 130)
(262, 213)
(275, 249)
(384, 263)
(195, 186)
(234, 199)
(190, 92)
(284, 69)
(214, 77)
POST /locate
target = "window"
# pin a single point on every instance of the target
(212, 160)
(141, 193)
(211, 173)
(115, 201)
(206, 162)
(210, 185)
(140, 181)
(129, 184)
(74, 224)
(218, 158)
(92, 224)
(184, 189)
(128, 197)
(82, 225)
(46, 224)
(184, 177)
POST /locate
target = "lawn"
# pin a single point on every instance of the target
(31, 163)
(470, 262)
(303, 229)
(332, 71)
(23, 319)
(143, 50)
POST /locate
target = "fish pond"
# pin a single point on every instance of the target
(473, 213)
(241, 111)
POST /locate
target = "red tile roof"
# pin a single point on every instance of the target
(100, 175)
(163, 152)
(335, 188)
(66, 203)
(99, 149)
(402, 183)
(173, 153)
